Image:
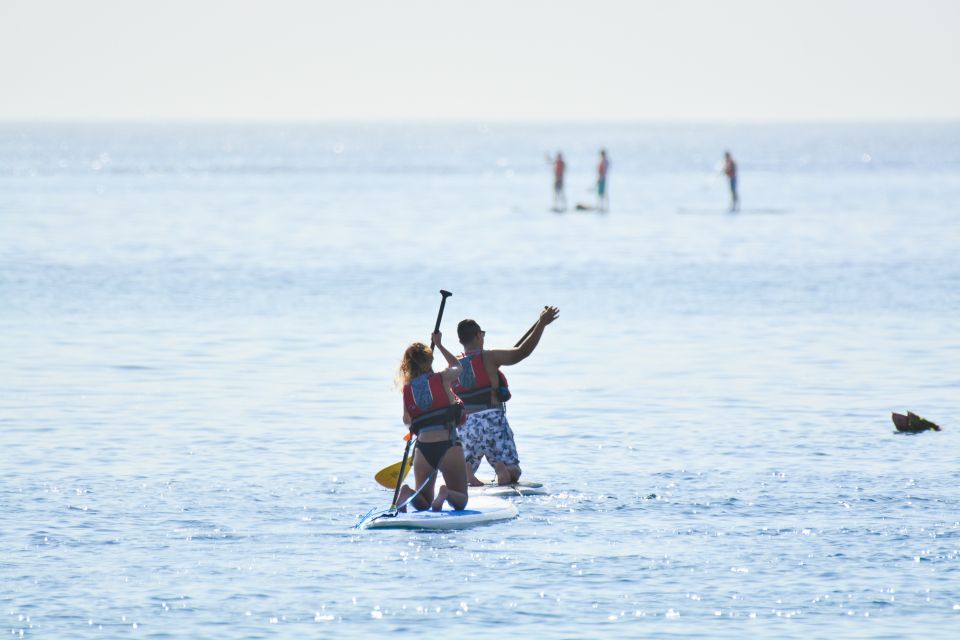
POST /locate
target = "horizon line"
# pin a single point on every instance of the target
(471, 121)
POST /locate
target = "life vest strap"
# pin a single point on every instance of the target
(445, 418)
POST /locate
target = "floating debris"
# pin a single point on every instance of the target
(912, 423)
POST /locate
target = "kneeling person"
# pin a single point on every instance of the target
(484, 390)
(433, 413)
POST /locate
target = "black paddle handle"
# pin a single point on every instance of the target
(443, 302)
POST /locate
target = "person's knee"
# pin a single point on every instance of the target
(457, 500)
(503, 473)
(422, 502)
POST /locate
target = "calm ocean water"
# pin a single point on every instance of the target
(199, 325)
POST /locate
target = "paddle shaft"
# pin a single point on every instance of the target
(403, 463)
(406, 450)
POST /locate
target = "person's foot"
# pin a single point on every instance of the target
(405, 493)
(440, 499)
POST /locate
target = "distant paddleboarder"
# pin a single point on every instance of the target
(603, 201)
(484, 390)
(730, 170)
(559, 197)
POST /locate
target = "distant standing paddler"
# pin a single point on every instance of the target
(730, 170)
(484, 390)
(559, 197)
(603, 202)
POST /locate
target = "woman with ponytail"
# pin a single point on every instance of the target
(433, 413)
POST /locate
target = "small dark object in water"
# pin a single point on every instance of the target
(912, 423)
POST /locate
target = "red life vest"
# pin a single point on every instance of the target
(425, 399)
(473, 386)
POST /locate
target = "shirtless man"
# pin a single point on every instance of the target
(483, 389)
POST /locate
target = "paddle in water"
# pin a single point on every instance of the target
(397, 472)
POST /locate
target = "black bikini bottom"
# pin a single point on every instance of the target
(433, 451)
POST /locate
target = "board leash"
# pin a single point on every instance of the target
(392, 512)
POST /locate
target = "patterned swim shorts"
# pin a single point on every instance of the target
(488, 434)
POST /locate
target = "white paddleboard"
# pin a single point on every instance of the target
(480, 510)
(508, 490)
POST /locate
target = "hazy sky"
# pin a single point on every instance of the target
(704, 60)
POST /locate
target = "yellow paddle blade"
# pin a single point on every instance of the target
(389, 476)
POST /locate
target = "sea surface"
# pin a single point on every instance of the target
(200, 325)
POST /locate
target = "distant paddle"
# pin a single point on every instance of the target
(406, 450)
